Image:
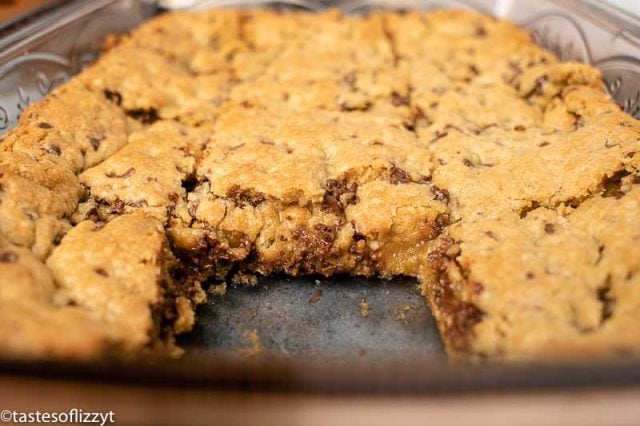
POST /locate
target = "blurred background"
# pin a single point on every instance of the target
(11, 9)
(632, 6)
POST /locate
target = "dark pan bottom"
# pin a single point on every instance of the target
(314, 317)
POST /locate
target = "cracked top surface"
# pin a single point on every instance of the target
(444, 145)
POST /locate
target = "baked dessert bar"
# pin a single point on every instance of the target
(231, 144)
(107, 288)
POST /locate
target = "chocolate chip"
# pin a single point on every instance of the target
(530, 275)
(408, 126)
(173, 200)
(440, 194)
(612, 185)
(516, 70)
(439, 135)
(189, 183)
(539, 86)
(419, 116)
(467, 162)
(45, 126)
(436, 226)
(85, 193)
(578, 121)
(549, 228)
(126, 174)
(345, 107)
(519, 128)
(102, 272)
(398, 100)
(398, 176)
(95, 142)
(338, 194)
(54, 149)
(526, 210)
(481, 129)
(113, 96)
(606, 300)
(600, 253)
(492, 235)
(481, 31)
(245, 196)
(8, 257)
(118, 207)
(93, 216)
(144, 115)
(58, 238)
(543, 144)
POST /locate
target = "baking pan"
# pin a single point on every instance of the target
(340, 334)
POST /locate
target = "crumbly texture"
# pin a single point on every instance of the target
(229, 144)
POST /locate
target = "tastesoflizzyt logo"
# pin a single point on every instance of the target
(74, 415)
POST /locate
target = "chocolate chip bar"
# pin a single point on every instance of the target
(226, 145)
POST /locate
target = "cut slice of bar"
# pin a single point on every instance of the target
(122, 274)
(36, 198)
(149, 174)
(72, 127)
(527, 272)
(35, 319)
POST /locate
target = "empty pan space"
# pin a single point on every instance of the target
(342, 318)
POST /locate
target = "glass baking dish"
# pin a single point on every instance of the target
(316, 339)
